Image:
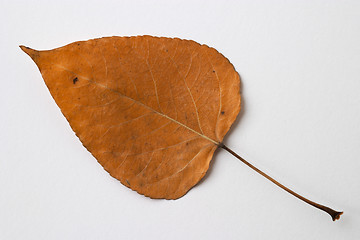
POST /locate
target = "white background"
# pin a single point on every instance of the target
(300, 64)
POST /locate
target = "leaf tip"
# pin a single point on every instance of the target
(29, 51)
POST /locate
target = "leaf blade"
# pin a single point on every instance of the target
(152, 114)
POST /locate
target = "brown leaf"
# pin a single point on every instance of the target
(151, 110)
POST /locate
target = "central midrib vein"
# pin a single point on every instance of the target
(161, 114)
(145, 106)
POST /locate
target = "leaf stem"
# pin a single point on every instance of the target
(334, 214)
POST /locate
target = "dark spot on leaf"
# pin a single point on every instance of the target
(213, 71)
(75, 80)
(222, 113)
(127, 182)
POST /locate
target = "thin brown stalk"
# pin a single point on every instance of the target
(335, 215)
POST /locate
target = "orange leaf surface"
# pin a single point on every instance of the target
(151, 110)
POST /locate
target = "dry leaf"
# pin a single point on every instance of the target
(151, 110)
